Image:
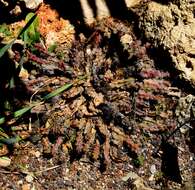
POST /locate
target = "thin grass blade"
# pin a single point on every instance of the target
(27, 25)
(6, 47)
(2, 120)
(11, 140)
(57, 91)
(3, 134)
(22, 111)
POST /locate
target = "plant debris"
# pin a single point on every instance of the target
(106, 116)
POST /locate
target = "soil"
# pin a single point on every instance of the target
(126, 120)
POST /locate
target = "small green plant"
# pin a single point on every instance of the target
(9, 45)
(4, 138)
(52, 48)
(31, 34)
(4, 29)
(60, 55)
(158, 176)
(139, 161)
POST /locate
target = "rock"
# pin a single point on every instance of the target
(23, 74)
(16, 11)
(126, 39)
(171, 27)
(29, 178)
(185, 108)
(5, 161)
(32, 4)
(153, 169)
(26, 186)
(138, 182)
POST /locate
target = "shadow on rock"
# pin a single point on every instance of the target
(170, 166)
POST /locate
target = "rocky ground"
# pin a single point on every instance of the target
(126, 120)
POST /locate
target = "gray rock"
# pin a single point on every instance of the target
(172, 27)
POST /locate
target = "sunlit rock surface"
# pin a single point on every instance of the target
(172, 27)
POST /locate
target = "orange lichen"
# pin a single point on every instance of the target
(49, 20)
(51, 24)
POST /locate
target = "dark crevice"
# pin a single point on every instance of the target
(170, 166)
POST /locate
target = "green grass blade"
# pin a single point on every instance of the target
(3, 134)
(22, 111)
(11, 140)
(57, 91)
(27, 25)
(6, 47)
(2, 120)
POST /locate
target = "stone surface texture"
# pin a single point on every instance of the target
(172, 27)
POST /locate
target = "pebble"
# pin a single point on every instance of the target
(20, 182)
(37, 154)
(126, 39)
(29, 178)
(26, 186)
(153, 169)
(5, 161)
(151, 178)
(88, 51)
(32, 4)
